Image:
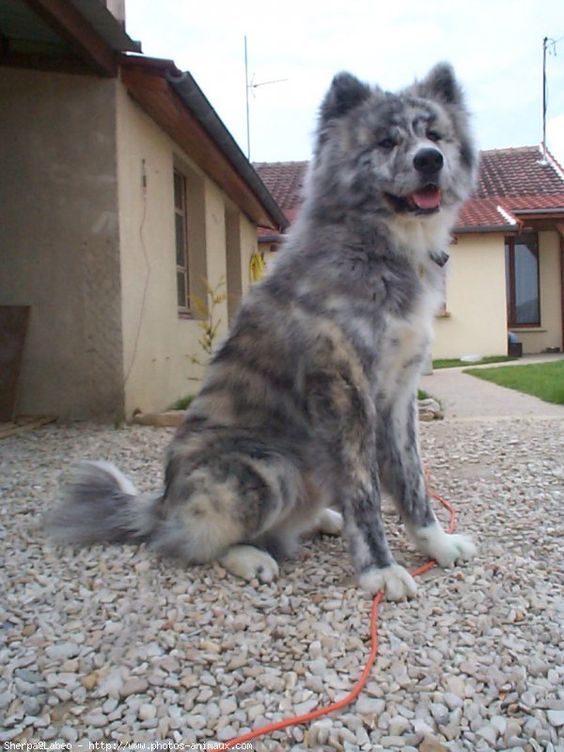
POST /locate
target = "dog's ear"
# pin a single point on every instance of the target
(345, 93)
(440, 85)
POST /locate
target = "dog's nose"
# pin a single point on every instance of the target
(428, 161)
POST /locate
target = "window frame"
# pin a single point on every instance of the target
(182, 269)
(511, 280)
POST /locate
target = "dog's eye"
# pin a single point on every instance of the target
(434, 136)
(387, 144)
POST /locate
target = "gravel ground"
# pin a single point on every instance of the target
(113, 644)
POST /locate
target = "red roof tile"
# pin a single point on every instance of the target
(482, 212)
(285, 181)
(517, 172)
(510, 181)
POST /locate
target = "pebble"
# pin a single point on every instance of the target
(489, 733)
(226, 732)
(134, 686)
(452, 700)
(147, 712)
(431, 744)
(228, 705)
(31, 705)
(439, 712)
(125, 645)
(62, 651)
(111, 684)
(98, 720)
(32, 677)
(369, 706)
(398, 724)
(196, 721)
(555, 718)
(110, 705)
(456, 686)
(69, 733)
(90, 681)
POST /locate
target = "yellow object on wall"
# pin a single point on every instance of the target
(257, 267)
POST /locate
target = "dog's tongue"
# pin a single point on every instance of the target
(428, 198)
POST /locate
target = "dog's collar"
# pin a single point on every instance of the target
(439, 257)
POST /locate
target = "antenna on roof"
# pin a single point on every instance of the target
(249, 87)
(545, 42)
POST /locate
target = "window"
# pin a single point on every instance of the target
(522, 279)
(181, 233)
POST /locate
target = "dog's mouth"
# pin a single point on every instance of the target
(425, 201)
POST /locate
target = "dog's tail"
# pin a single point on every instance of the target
(99, 504)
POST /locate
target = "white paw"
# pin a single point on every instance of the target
(445, 548)
(249, 562)
(330, 522)
(395, 581)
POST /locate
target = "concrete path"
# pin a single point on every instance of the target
(465, 397)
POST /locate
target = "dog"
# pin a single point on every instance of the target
(309, 405)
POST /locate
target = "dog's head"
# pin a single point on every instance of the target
(395, 154)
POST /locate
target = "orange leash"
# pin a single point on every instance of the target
(359, 686)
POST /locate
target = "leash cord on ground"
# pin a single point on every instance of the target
(359, 686)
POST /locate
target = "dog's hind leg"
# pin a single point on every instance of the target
(249, 562)
(402, 472)
(224, 507)
(330, 522)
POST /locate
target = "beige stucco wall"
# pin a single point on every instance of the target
(59, 244)
(549, 334)
(475, 299)
(241, 240)
(157, 354)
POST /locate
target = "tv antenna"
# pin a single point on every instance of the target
(251, 86)
(545, 43)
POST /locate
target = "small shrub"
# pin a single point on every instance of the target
(183, 403)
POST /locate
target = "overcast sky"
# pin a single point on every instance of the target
(495, 46)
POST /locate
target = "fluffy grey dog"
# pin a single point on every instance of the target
(310, 403)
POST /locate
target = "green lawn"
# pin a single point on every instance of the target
(544, 380)
(456, 362)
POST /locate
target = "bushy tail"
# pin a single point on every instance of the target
(99, 504)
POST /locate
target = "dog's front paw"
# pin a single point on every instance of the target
(394, 580)
(249, 563)
(454, 547)
(445, 548)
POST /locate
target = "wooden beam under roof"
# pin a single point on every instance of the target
(70, 25)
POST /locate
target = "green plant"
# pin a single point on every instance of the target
(183, 403)
(208, 321)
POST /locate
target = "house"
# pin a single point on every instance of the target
(506, 271)
(122, 196)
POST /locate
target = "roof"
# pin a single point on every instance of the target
(517, 172)
(75, 35)
(513, 184)
(285, 181)
(176, 103)
(83, 36)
